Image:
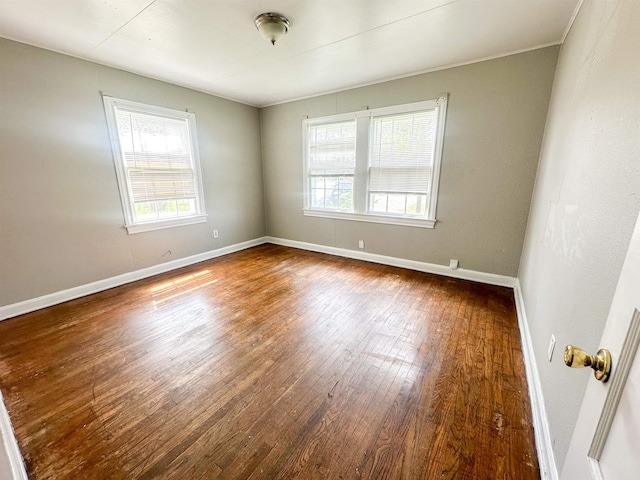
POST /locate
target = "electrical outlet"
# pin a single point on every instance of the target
(552, 345)
(360, 243)
(215, 234)
(453, 264)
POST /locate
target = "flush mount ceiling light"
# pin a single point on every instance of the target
(272, 26)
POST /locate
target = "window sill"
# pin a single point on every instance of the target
(162, 224)
(368, 217)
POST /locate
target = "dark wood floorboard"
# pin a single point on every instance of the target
(273, 363)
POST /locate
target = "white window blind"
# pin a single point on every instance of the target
(402, 153)
(157, 165)
(157, 155)
(400, 163)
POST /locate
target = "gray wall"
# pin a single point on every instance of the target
(60, 212)
(586, 199)
(495, 122)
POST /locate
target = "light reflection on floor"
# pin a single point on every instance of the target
(181, 285)
(394, 348)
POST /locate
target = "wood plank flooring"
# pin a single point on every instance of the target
(273, 363)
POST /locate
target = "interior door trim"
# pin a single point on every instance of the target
(618, 382)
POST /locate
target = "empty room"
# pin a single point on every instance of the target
(302, 239)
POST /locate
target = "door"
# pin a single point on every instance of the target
(606, 440)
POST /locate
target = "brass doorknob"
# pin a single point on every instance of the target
(575, 357)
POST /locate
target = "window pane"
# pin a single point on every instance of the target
(331, 183)
(146, 211)
(167, 208)
(187, 207)
(317, 198)
(331, 199)
(346, 200)
(378, 203)
(332, 147)
(317, 182)
(396, 204)
(335, 193)
(416, 204)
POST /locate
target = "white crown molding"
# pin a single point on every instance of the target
(9, 446)
(461, 273)
(544, 447)
(571, 20)
(414, 74)
(44, 301)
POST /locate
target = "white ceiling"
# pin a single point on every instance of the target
(213, 45)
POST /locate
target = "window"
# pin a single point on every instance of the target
(157, 165)
(377, 165)
(332, 159)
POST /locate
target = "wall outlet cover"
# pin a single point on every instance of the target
(453, 264)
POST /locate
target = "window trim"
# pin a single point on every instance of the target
(407, 221)
(361, 171)
(110, 104)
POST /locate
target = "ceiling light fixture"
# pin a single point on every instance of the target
(272, 26)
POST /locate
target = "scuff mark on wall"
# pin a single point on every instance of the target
(563, 232)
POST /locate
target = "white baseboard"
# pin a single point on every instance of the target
(44, 301)
(489, 278)
(544, 447)
(9, 451)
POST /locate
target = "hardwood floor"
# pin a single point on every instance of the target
(273, 363)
